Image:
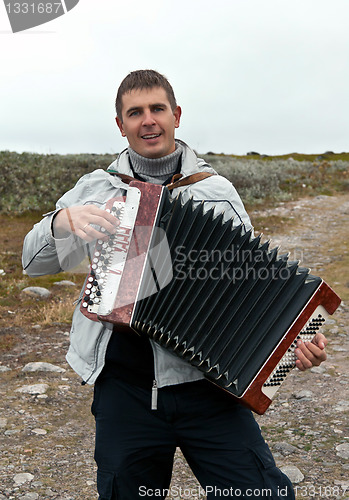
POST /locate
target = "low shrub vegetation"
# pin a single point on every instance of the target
(33, 182)
(278, 179)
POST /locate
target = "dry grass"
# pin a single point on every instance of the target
(274, 223)
(58, 312)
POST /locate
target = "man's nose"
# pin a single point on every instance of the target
(148, 119)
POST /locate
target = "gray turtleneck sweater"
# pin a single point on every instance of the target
(155, 170)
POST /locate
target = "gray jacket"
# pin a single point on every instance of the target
(43, 254)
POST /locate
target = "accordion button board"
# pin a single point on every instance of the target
(288, 362)
(102, 262)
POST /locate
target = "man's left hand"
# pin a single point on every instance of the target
(311, 353)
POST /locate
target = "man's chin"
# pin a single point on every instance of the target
(152, 152)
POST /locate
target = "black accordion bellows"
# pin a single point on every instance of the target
(230, 300)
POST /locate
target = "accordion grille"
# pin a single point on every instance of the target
(230, 300)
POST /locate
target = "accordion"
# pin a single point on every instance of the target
(208, 292)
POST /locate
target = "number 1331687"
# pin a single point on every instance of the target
(34, 8)
(312, 491)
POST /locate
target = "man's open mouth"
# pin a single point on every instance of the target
(150, 136)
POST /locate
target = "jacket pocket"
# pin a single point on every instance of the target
(263, 455)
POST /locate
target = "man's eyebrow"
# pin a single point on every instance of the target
(138, 108)
(135, 108)
(156, 105)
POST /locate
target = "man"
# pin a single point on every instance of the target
(135, 443)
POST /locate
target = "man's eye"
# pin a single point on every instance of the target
(158, 109)
(134, 113)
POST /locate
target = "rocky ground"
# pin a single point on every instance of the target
(47, 431)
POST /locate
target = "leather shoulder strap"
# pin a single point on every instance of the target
(177, 180)
(125, 178)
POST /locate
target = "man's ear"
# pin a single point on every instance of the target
(177, 114)
(120, 125)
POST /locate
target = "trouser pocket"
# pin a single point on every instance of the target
(107, 485)
(276, 485)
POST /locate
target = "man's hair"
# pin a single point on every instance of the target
(143, 79)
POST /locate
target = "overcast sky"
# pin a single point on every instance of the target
(270, 76)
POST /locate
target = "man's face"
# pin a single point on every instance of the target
(149, 122)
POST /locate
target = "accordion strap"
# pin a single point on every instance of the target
(177, 180)
(125, 178)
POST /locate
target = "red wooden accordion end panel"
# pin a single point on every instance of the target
(123, 302)
(263, 388)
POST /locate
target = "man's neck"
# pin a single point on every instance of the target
(155, 170)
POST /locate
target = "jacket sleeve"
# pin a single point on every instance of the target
(44, 254)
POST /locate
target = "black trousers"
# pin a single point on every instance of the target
(219, 438)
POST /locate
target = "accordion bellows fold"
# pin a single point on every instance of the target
(214, 295)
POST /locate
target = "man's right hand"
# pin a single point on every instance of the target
(78, 220)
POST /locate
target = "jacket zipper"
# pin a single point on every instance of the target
(154, 396)
(154, 389)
